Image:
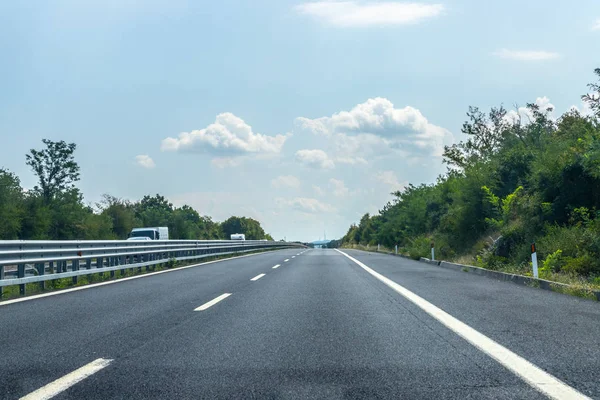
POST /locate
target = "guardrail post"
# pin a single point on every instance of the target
(123, 261)
(112, 261)
(75, 267)
(141, 259)
(1, 277)
(41, 269)
(88, 263)
(100, 264)
(51, 267)
(21, 274)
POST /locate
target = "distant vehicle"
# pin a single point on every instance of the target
(138, 238)
(157, 233)
(238, 236)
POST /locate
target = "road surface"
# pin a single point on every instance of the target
(297, 324)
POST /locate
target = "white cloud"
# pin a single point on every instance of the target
(339, 187)
(525, 115)
(144, 160)
(350, 160)
(306, 205)
(390, 179)
(228, 135)
(285, 181)
(526, 55)
(596, 26)
(317, 159)
(360, 13)
(225, 162)
(377, 127)
(318, 190)
(584, 110)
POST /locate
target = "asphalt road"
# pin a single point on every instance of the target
(318, 326)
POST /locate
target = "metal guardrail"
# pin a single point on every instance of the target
(29, 261)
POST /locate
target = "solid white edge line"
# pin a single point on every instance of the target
(286, 260)
(257, 277)
(530, 373)
(93, 285)
(60, 385)
(212, 302)
(277, 266)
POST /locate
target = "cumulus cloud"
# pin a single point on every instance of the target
(362, 14)
(227, 136)
(315, 158)
(526, 55)
(339, 187)
(584, 109)
(376, 127)
(144, 160)
(284, 181)
(524, 115)
(596, 26)
(306, 205)
(390, 179)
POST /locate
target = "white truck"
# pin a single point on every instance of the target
(155, 233)
(238, 236)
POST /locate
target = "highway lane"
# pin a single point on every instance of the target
(44, 339)
(317, 326)
(558, 333)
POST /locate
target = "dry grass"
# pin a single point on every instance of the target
(382, 249)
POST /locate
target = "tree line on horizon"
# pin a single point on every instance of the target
(55, 209)
(518, 178)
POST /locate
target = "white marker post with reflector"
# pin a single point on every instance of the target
(432, 251)
(534, 260)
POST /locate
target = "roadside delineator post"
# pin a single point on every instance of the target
(432, 251)
(378, 247)
(396, 249)
(534, 261)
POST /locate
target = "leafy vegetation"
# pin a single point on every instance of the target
(520, 177)
(55, 209)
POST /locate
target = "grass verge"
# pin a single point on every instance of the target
(579, 286)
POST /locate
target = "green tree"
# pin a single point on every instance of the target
(248, 226)
(593, 98)
(11, 205)
(121, 214)
(154, 211)
(55, 168)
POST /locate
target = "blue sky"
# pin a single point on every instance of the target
(304, 115)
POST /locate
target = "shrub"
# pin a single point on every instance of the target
(419, 247)
(553, 263)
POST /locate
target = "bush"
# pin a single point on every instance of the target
(553, 263)
(513, 237)
(570, 249)
(419, 247)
